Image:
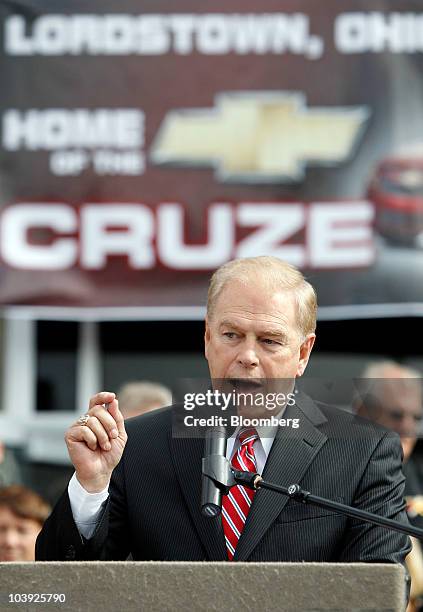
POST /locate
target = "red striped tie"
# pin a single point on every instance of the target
(236, 505)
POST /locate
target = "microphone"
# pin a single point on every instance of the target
(215, 470)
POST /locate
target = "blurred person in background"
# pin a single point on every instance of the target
(393, 399)
(9, 469)
(138, 397)
(22, 514)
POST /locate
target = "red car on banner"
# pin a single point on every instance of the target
(396, 190)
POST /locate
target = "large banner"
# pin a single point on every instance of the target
(143, 144)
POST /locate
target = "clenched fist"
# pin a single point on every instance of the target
(96, 448)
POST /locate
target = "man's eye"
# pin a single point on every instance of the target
(229, 335)
(269, 341)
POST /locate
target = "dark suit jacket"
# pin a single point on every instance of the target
(154, 507)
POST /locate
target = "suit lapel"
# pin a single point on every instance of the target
(291, 454)
(187, 455)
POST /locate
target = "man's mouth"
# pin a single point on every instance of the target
(247, 385)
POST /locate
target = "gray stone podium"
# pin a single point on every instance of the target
(174, 587)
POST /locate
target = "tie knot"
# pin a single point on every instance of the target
(248, 435)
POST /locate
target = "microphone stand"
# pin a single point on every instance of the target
(295, 492)
(225, 477)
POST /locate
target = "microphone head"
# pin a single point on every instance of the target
(214, 471)
(216, 432)
(215, 441)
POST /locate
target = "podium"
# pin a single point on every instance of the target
(173, 586)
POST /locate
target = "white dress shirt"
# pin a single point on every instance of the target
(87, 507)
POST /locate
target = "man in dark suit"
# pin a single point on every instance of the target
(139, 493)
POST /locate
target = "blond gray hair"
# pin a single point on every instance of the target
(279, 275)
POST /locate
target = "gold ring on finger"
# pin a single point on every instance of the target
(83, 419)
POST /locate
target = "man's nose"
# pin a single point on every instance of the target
(247, 356)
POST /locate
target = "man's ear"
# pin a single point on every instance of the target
(206, 338)
(305, 351)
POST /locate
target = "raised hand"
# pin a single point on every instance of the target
(96, 447)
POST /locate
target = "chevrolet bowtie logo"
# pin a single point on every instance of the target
(259, 136)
